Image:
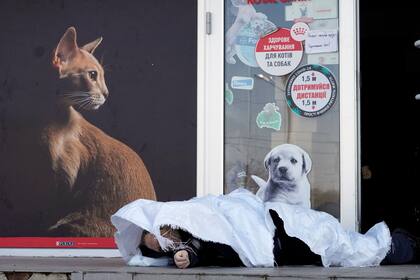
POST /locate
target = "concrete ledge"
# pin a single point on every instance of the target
(25, 268)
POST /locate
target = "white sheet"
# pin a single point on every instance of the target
(326, 237)
(242, 221)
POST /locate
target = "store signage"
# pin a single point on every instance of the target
(238, 82)
(323, 58)
(252, 2)
(299, 31)
(311, 90)
(248, 37)
(321, 41)
(324, 24)
(228, 95)
(269, 117)
(278, 53)
(310, 10)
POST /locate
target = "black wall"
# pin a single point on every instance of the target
(390, 115)
(149, 53)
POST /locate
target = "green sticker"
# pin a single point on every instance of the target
(228, 95)
(269, 117)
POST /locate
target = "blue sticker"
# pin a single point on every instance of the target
(245, 83)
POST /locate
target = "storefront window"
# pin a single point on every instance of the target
(281, 87)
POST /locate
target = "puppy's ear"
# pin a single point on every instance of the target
(267, 160)
(306, 163)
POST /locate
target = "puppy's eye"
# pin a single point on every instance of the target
(93, 75)
(276, 160)
(294, 161)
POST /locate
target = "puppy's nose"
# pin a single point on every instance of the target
(283, 169)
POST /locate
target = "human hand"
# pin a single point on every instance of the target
(181, 259)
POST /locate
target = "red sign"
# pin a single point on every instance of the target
(278, 53)
(252, 2)
(58, 242)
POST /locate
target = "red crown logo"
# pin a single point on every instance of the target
(299, 31)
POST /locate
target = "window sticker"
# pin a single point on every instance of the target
(324, 24)
(245, 83)
(321, 41)
(242, 36)
(299, 31)
(278, 53)
(269, 117)
(323, 58)
(307, 11)
(248, 38)
(297, 13)
(311, 90)
(228, 94)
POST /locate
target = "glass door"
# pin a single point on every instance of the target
(289, 117)
(282, 113)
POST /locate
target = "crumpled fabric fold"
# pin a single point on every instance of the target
(241, 220)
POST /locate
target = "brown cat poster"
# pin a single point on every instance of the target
(91, 117)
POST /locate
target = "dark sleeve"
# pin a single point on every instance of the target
(152, 254)
(291, 250)
(194, 248)
(206, 253)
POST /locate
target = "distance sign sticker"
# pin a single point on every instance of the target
(311, 90)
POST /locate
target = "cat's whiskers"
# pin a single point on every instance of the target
(77, 93)
(85, 103)
(76, 98)
(79, 99)
(83, 99)
(88, 104)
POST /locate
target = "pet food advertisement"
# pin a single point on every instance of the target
(282, 134)
(89, 116)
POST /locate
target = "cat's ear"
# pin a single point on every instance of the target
(91, 47)
(65, 47)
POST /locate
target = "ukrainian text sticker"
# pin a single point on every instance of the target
(321, 41)
(245, 83)
(278, 53)
(311, 90)
(299, 12)
(248, 37)
(323, 58)
(269, 117)
(324, 24)
(307, 11)
(299, 31)
(324, 9)
(228, 95)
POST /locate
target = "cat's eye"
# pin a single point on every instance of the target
(93, 75)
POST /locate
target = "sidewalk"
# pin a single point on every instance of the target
(115, 268)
